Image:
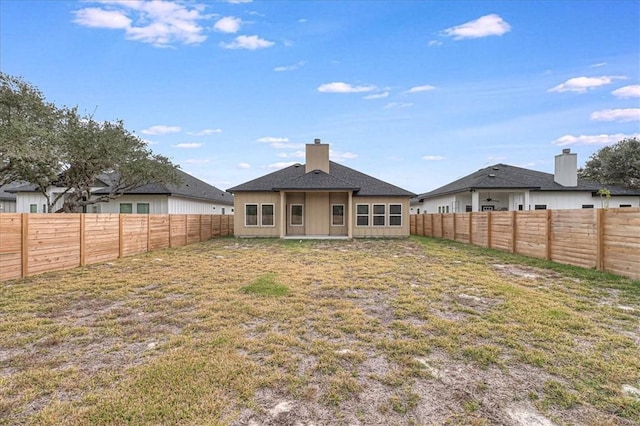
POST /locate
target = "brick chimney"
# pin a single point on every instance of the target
(566, 171)
(317, 156)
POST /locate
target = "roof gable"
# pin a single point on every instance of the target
(339, 177)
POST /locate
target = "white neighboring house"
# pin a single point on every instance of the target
(8, 199)
(193, 196)
(505, 187)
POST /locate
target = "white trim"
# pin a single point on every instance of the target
(257, 215)
(395, 215)
(291, 215)
(343, 211)
(375, 215)
(368, 215)
(273, 215)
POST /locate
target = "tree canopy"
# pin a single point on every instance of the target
(47, 146)
(617, 164)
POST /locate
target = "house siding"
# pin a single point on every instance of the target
(381, 231)
(181, 205)
(243, 198)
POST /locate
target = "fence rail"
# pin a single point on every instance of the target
(35, 243)
(604, 239)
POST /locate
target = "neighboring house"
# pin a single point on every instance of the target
(504, 187)
(8, 199)
(318, 200)
(192, 196)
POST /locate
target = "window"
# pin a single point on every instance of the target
(223, 210)
(540, 207)
(267, 215)
(337, 215)
(488, 208)
(142, 208)
(587, 206)
(520, 207)
(468, 208)
(296, 215)
(33, 208)
(418, 211)
(625, 205)
(447, 209)
(379, 214)
(250, 215)
(395, 214)
(126, 208)
(362, 214)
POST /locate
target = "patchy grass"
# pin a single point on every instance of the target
(356, 332)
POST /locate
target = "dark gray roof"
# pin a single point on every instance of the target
(339, 178)
(8, 193)
(191, 187)
(504, 176)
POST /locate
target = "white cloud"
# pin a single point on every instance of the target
(161, 130)
(198, 161)
(270, 139)
(592, 139)
(485, 26)
(619, 115)
(239, 1)
(228, 24)
(398, 105)
(189, 145)
(433, 157)
(99, 18)
(302, 20)
(632, 91)
(296, 154)
(582, 84)
(248, 42)
(281, 164)
(341, 157)
(433, 43)
(418, 89)
(340, 87)
(243, 165)
(377, 95)
(290, 67)
(205, 132)
(161, 23)
(598, 65)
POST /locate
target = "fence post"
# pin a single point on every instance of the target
(514, 232)
(82, 239)
(454, 227)
(549, 234)
(200, 226)
(600, 238)
(120, 234)
(470, 227)
(148, 233)
(489, 229)
(25, 247)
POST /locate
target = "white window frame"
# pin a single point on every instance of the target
(367, 215)
(382, 215)
(291, 206)
(273, 215)
(333, 215)
(395, 215)
(257, 206)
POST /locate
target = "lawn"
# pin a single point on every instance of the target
(252, 332)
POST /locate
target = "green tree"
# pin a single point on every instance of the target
(49, 146)
(617, 164)
(29, 127)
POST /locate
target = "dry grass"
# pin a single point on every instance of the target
(414, 331)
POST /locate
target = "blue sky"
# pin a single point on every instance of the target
(417, 93)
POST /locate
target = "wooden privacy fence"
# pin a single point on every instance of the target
(34, 243)
(605, 239)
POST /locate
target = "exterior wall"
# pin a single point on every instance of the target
(317, 213)
(157, 204)
(243, 198)
(180, 205)
(381, 231)
(555, 200)
(7, 206)
(25, 199)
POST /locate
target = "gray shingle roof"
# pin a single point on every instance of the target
(339, 178)
(191, 187)
(504, 176)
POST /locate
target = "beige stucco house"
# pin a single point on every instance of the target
(320, 199)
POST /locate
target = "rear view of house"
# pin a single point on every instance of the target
(320, 199)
